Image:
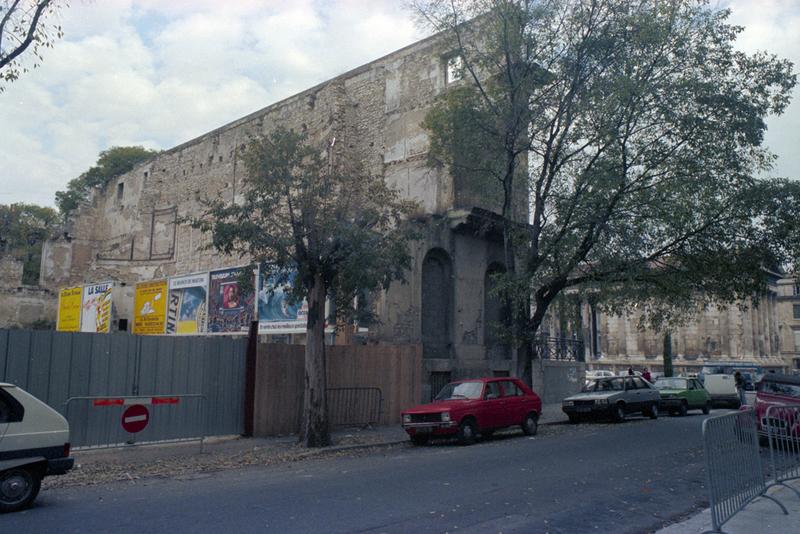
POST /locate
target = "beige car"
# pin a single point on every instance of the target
(34, 443)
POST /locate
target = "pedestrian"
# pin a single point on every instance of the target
(646, 375)
(630, 371)
(739, 380)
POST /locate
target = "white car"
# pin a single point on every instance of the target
(34, 443)
(598, 373)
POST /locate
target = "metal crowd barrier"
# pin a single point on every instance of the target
(98, 422)
(734, 471)
(781, 426)
(356, 406)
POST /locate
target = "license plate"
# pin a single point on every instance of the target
(583, 408)
(424, 430)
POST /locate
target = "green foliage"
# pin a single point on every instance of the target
(24, 28)
(23, 230)
(301, 214)
(110, 163)
(641, 128)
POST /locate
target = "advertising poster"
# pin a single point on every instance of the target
(186, 312)
(276, 314)
(230, 309)
(96, 308)
(69, 309)
(150, 308)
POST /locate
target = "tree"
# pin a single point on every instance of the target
(23, 230)
(333, 228)
(636, 129)
(23, 26)
(111, 163)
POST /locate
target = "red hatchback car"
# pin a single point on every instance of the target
(470, 407)
(778, 390)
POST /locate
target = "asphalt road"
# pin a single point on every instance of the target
(631, 477)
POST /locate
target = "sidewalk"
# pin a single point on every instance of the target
(185, 459)
(762, 515)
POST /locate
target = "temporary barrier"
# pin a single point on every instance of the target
(102, 422)
(733, 465)
(354, 406)
(780, 426)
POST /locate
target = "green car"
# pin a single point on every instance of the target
(679, 395)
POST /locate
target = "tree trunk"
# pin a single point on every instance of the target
(315, 410)
(668, 353)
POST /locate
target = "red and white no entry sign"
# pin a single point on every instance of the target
(135, 418)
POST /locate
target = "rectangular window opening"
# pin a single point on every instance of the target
(454, 69)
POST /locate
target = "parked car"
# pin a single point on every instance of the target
(776, 389)
(598, 373)
(615, 397)
(679, 395)
(34, 443)
(722, 389)
(467, 408)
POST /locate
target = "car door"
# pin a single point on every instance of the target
(697, 397)
(492, 407)
(515, 407)
(647, 393)
(632, 400)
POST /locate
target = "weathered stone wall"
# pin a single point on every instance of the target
(10, 272)
(758, 331)
(26, 307)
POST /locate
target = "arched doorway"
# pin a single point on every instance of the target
(496, 315)
(437, 307)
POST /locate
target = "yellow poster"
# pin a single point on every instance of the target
(69, 309)
(150, 308)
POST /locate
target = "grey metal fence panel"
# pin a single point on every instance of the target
(733, 465)
(780, 426)
(55, 366)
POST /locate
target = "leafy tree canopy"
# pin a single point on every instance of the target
(110, 164)
(635, 129)
(23, 230)
(24, 26)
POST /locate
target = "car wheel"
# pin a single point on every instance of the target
(619, 413)
(707, 408)
(467, 432)
(684, 409)
(653, 411)
(18, 488)
(420, 439)
(531, 424)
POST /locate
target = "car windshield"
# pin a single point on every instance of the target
(605, 384)
(461, 390)
(776, 388)
(671, 383)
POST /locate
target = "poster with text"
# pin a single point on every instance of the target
(230, 307)
(186, 312)
(96, 308)
(150, 308)
(277, 314)
(69, 309)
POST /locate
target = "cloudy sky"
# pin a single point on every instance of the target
(158, 73)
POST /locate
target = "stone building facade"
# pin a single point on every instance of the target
(132, 230)
(23, 306)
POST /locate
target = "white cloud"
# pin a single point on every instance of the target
(159, 73)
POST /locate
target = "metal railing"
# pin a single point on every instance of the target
(558, 348)
(780, 426)
(734, 471)
(354, 406)
(98, 422)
